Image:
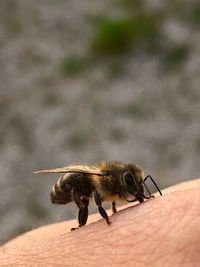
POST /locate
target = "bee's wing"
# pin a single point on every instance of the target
(74, 168)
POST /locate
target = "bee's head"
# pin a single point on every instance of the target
(134, 183)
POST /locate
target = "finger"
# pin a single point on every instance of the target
(164, 231)
(52, 230)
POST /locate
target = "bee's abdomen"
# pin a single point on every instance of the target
(61, 192)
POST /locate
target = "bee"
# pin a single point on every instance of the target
(111, 181)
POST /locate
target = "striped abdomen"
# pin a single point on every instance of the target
(61, 192)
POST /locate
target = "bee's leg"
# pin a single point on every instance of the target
(83, 209)
(83, 213)
(114, 207)
(101, 210)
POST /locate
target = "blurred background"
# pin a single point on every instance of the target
(83, 81)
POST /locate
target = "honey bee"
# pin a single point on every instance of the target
(106, 181)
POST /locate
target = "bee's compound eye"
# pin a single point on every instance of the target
(128, 178)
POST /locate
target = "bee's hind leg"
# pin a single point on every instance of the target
(83, 210)
(101, 210)
(83, 213)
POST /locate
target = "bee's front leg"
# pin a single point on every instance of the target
(114, 210)
(101, 210)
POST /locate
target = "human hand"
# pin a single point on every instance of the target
(164, 231)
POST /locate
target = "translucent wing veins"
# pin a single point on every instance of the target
(74, 168)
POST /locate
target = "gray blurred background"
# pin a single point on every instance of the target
(82, 81)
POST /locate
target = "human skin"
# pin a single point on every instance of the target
(164, 231)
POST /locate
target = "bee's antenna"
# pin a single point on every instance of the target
(149, 176)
